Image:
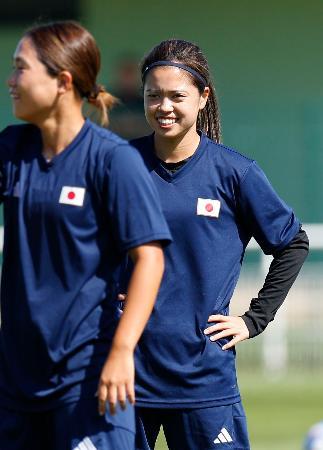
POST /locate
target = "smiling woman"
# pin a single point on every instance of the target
(77, 199)
(43, 65)
(32, 89)
(214, 200)
(172, 104)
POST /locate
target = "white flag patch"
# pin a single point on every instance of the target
(208, 207)
(71, 195)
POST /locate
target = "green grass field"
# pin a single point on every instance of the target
(280, 411)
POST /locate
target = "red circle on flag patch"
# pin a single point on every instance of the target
(71, 195)
(209, 207)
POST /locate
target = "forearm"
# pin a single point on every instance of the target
(142, 291)
(116, 382)
(280, 278)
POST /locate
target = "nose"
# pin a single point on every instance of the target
(11, 81)
(166, 105)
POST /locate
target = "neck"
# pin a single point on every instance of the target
(178, 148)
(59, 131)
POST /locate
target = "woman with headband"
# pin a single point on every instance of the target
(214, 200)
(76, 199)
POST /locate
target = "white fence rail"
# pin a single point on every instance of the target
(295, 339)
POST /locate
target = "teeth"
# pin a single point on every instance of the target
(166, 121)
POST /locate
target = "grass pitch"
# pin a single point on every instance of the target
(280, 411)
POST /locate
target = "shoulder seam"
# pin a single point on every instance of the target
(252, 163)
(102, 133)
(231, 150)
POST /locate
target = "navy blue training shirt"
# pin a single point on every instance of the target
(68, 224)
(213, 205)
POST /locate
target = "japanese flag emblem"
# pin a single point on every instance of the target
(71, 195)
(208, 207)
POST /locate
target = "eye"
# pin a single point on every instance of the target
(179, 96)
(17, 67)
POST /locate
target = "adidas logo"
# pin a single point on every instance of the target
(86, 444)
(223, 437)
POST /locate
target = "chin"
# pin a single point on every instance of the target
(167, 131)
(18, 113)
(23, 115)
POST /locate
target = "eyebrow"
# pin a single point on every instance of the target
(171, 91)
(18, 59)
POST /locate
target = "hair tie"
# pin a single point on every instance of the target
(95, 91)
(175, 64)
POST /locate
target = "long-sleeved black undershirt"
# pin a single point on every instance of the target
(282, 273)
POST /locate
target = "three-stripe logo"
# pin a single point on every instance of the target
(86, 444)
(223, 437)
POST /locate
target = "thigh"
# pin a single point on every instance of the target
(21, 431)
(207, 428)
(148, 422)
(78, 426)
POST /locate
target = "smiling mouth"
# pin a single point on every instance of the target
(166, 122)
(14, 96)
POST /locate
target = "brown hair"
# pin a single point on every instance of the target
(68, 46)
(190, 55)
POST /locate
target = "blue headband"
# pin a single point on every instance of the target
(175, 64)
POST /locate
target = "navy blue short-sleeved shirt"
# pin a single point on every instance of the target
(67, 226)
(213, 205)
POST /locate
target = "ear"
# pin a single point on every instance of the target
(64, 81)
(204, 97)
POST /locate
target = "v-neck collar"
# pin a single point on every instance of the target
(180, 173)
(64, 153)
